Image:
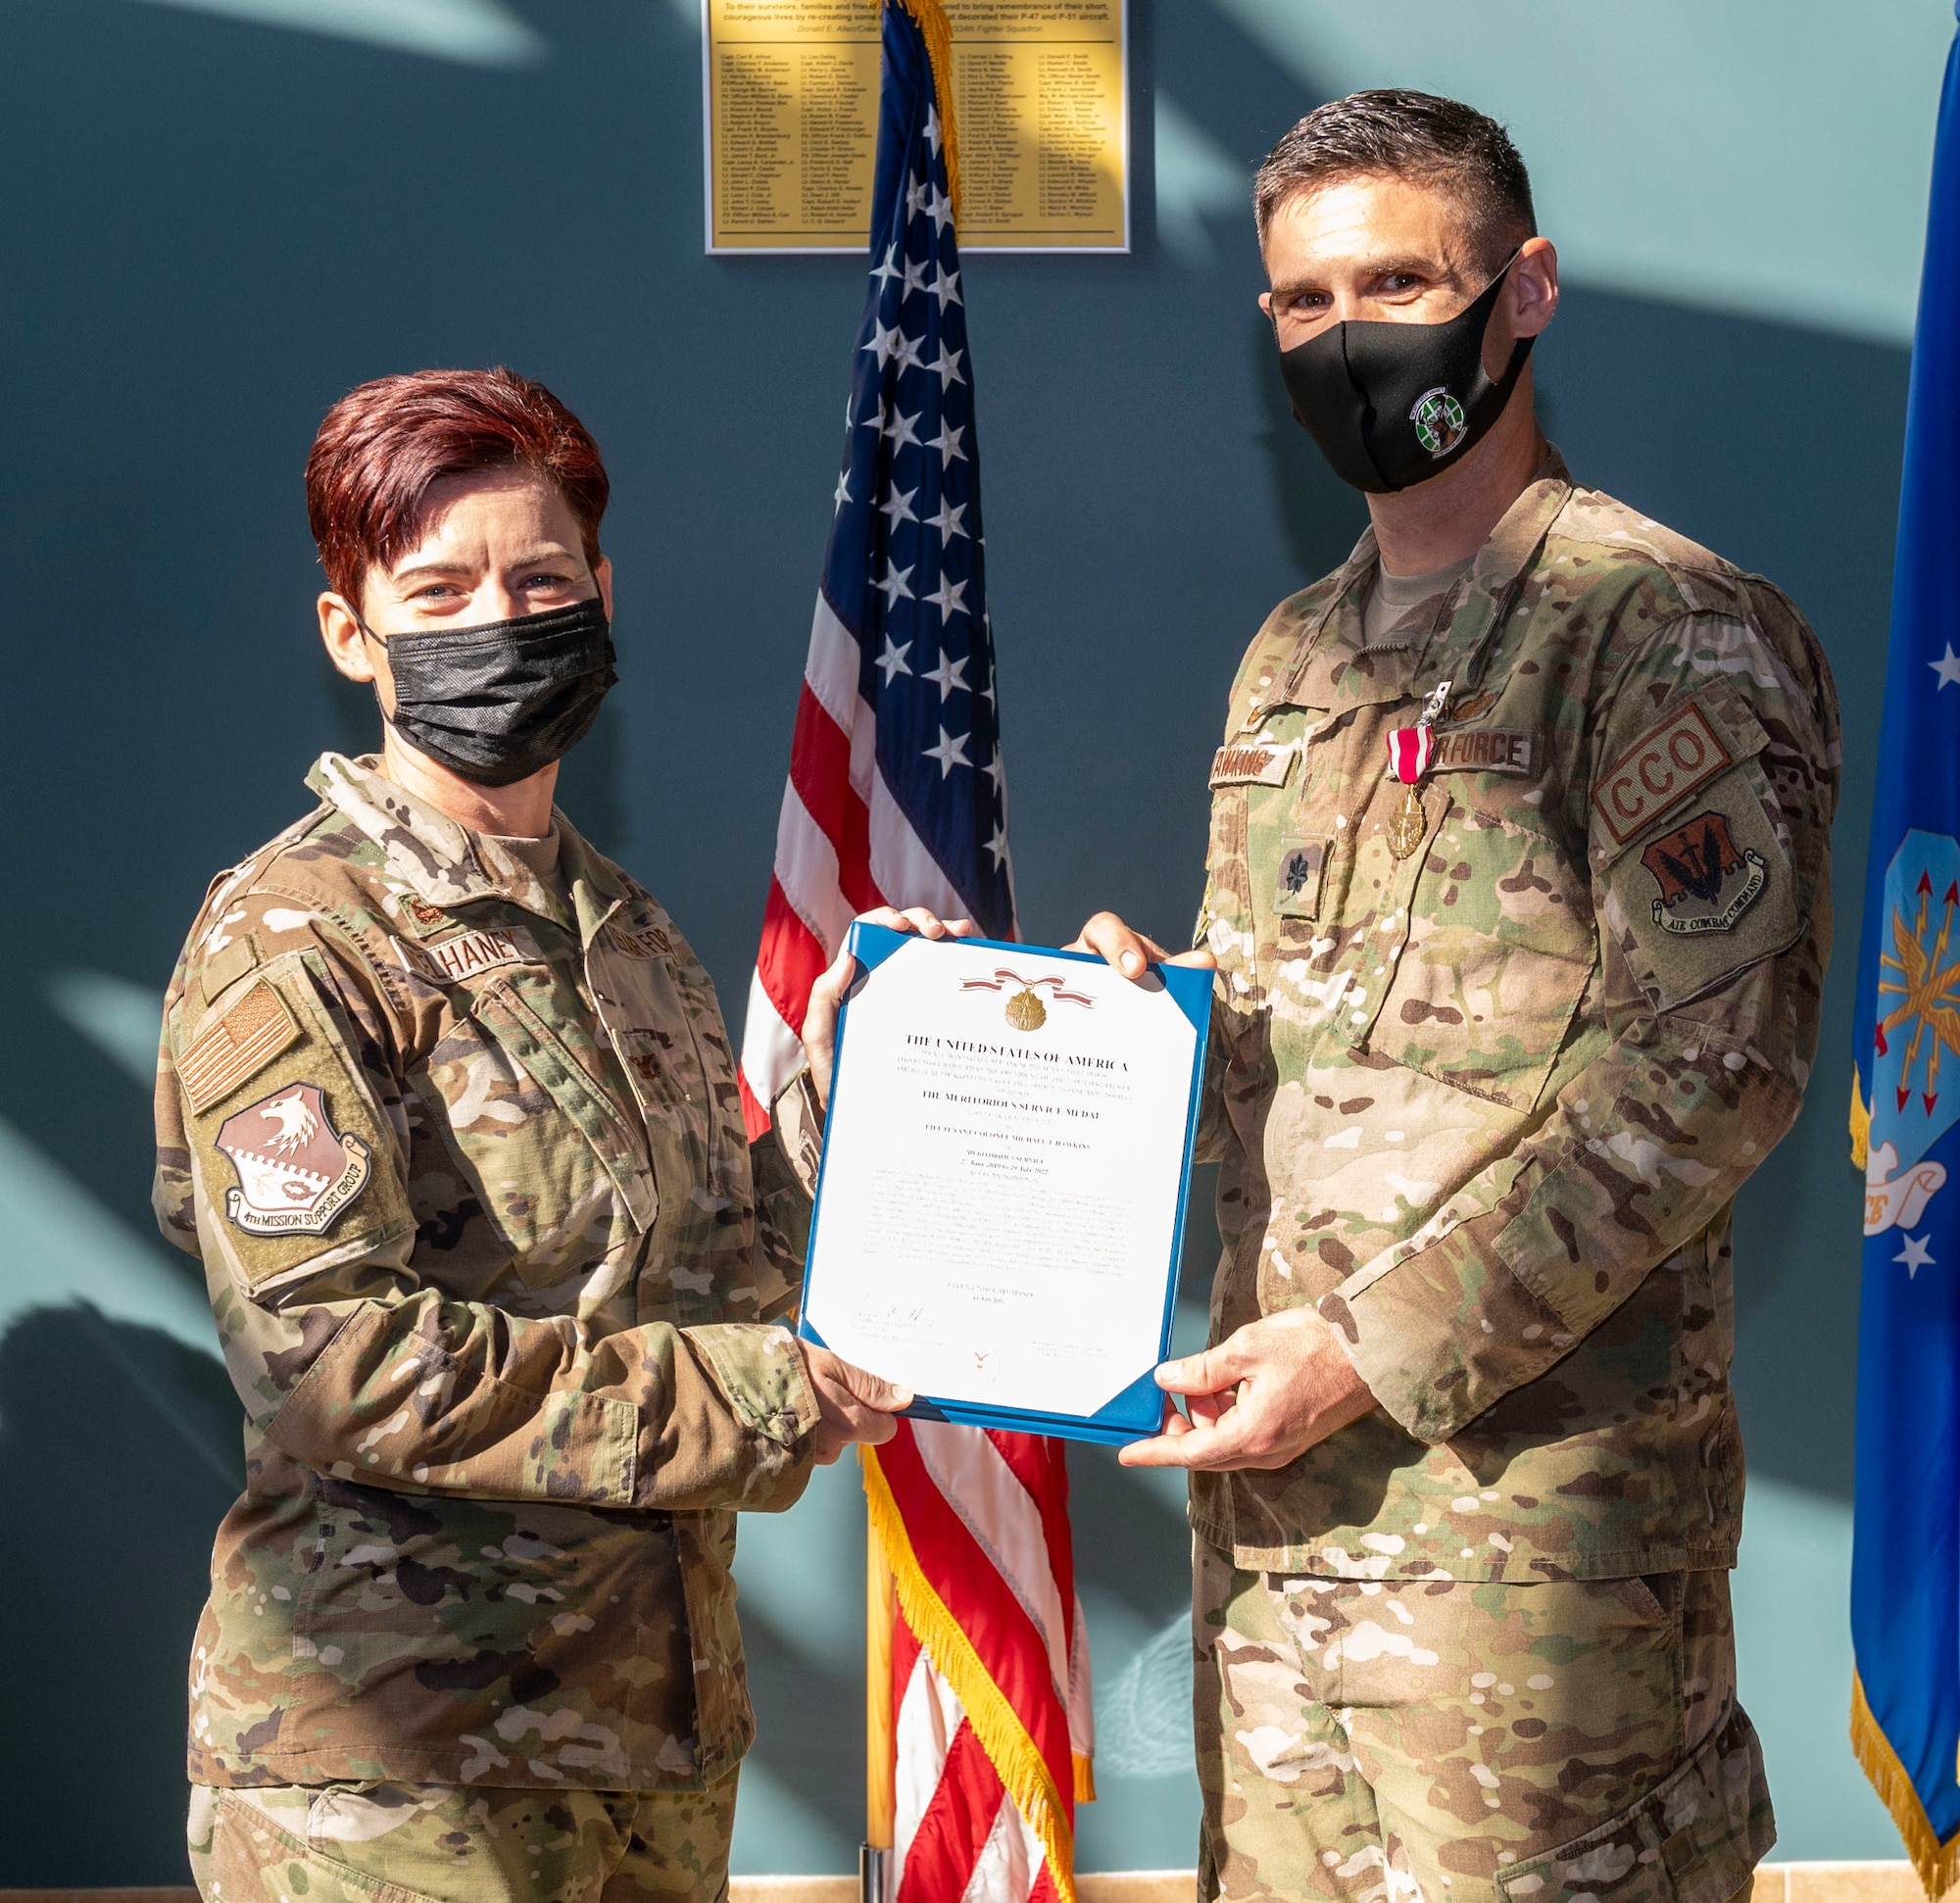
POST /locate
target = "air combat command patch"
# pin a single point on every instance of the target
(296, 1173)
(1705, 882)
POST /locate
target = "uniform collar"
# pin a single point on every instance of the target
(446, 864)
(1330, 666)
(1460, 648)
(597, 888)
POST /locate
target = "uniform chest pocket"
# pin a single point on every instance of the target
(548, 1149)
(653, 1034)
(1501, 947)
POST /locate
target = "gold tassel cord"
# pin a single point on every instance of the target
(938, 32)
(1937, 1864)
(1861, 1125)
(1022, 1769)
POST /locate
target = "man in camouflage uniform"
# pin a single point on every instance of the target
(1495, 1045)
(450, 1116)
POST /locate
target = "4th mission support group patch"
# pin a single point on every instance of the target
(296, 1173)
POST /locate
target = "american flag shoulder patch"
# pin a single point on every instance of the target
(237, 1048)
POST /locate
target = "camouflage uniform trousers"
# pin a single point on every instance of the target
(1443, 1742)
(403, 1844)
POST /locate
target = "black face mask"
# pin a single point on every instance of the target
(1391, 405)
(497, 703)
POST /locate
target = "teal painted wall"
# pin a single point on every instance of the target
(219, 215)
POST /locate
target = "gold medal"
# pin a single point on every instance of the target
(1407, 827)
(1026, 1011)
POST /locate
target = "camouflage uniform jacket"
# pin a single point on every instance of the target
(1488, 1105)
(468, 1175)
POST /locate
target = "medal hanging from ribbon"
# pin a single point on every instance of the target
(1411, 752)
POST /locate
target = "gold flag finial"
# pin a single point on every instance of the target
(938, 32)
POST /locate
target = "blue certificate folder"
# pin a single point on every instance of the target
(1136, 1412)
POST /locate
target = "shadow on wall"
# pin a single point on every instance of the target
(1148, 500)
(1779, 447)
(119, 1455)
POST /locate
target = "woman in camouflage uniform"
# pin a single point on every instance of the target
(448, 1112)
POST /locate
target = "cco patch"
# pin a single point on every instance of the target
(1703, 881)
(1674, 757)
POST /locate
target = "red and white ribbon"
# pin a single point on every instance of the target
(1410, 749)
(1003, 976)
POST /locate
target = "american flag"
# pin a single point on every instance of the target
(897, 795)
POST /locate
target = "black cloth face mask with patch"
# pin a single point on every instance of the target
(500, 702)
(1391, 405)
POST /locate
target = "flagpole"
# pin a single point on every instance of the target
(875, 1860)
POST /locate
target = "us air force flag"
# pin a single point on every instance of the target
(1905, 1120)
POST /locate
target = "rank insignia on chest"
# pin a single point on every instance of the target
(1252, 763)
(1296, 892)
(1705, 882)
(296, 1173)
(421, 914)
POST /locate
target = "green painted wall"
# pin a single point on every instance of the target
(219, 215)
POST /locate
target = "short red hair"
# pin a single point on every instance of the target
(384, 445)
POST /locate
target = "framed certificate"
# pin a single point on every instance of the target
(1006, 1161)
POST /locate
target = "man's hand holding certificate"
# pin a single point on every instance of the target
(1273, 1388)
(1006, 1159)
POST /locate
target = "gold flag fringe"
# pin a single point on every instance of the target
(1021, 1768)
(1861, 1125)
(938, 31)
(1937, 1864)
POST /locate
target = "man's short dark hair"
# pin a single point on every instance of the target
(1414, 135)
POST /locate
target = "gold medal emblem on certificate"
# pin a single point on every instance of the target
(1026, 1011)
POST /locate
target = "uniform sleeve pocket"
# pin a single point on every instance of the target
(1693, 1838)
(1705, 892)
(299, 1170)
